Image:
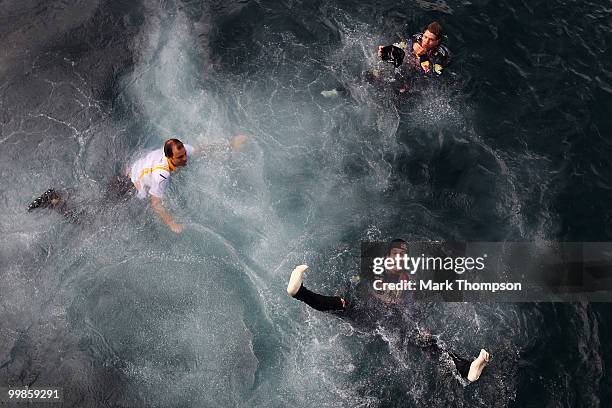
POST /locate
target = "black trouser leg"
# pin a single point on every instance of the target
(118, 188)
(319, 302)
(56, 201)
(462, 365)
(49, 199)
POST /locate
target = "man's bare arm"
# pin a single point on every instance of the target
(234, 144)
(156, 203)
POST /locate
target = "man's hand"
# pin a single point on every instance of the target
(238, 141)
(417, 49)
(235, 144)
(424, 332)
(165, 216)
(380, 47)
(176, 228)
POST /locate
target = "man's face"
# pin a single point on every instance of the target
(429, 40)
(395, 252)
(179, 156)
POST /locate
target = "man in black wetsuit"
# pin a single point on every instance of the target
(363, 304)
(424, 51)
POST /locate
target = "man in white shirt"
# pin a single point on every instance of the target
(149, 175)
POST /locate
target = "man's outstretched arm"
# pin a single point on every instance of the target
(156, 203)
(233, 144)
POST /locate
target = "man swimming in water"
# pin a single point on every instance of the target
(358, 306)
(149, 176)
(424, 51)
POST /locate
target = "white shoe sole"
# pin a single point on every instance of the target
(297, 276)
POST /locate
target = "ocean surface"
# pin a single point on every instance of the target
(513, 143)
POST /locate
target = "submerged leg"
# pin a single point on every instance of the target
(119, 188)
(468, 370)
(56, 201)
(49, 199)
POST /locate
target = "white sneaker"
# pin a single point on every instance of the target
(295, 282)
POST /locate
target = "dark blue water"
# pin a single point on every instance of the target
(510, 145)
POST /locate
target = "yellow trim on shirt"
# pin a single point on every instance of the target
(152, 169)
(171, 165)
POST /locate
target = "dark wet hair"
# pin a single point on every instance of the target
(398, 243)
(436, 29)
(169, 145)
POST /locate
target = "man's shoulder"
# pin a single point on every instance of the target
(189, 149)
(443, 51)
(157, 163)
(157, 153)
(150, 155)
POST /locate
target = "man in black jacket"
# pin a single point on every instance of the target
(424, 50)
